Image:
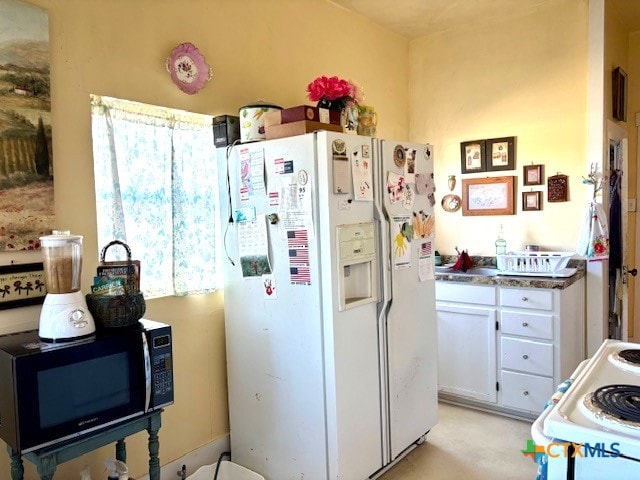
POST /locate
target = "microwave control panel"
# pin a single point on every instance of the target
(162, 368)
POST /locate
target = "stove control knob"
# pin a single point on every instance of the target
(525, 356)
(525, 324)
(525, 393)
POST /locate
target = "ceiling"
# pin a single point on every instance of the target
(416, 18)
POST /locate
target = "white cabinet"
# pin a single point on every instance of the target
(506, 348)
(467, 367)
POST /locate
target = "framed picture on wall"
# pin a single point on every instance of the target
(532, 175)
(22, 285)
(619, 91)
(472, 157)
(501, 154)
(488, 196)
(531, 201)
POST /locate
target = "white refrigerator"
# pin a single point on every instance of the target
(329, 303)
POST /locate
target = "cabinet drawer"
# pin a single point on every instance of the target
(535, 325)
(465, 293)
(526, 298)
(527, 356)
(527, 392)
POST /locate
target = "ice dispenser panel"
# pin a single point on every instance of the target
(356, 265)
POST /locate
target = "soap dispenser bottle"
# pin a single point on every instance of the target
(501, 243)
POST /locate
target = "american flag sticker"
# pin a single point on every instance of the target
(299, 257)
(425, 249)
(297, 239)
(299, 268)
(300, 275)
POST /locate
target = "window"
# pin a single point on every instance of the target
(157, 190)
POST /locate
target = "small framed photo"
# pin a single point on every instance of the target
(531, 201)
(22, 285)
(472, 157)
(501, 154)
(532, 175)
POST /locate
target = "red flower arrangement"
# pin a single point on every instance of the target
(328, 91)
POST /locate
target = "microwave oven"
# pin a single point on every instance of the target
(57, 391)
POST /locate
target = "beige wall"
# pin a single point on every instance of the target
(258, 50)
(522, 75)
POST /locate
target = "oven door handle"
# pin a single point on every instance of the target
(147, 373)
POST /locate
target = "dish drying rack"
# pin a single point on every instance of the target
(541, 264)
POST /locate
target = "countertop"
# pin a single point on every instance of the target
(512, 280)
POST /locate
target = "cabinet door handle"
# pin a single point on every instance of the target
(525, 299)
(525, 356)
(525, 393)
(525, 324)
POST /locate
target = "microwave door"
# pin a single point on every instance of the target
(71, 391)
(147, 372)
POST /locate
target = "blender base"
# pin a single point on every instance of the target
(65, 318)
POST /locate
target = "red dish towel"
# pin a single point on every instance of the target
(463, 263)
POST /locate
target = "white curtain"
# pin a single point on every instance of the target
(156, 190)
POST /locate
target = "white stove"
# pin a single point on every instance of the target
(593, 432)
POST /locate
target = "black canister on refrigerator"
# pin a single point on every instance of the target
(226, 130)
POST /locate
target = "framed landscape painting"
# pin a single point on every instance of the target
(26, 173)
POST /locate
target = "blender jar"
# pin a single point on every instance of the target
(62, 261)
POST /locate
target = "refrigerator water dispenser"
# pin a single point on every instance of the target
(356, 265)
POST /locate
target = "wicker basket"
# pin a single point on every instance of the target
(118, 311)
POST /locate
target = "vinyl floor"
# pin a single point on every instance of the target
(471, 445)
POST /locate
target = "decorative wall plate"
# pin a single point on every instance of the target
(451, 203)
(188, 68)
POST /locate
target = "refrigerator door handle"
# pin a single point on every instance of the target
(384, 255)
(383, 311)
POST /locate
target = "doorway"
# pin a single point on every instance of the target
(615, 322)
(616, 201)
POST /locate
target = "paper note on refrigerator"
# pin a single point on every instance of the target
(400, 242)
(362, 176)
(295, 209)
(425, 262)
(251, 173)
(410, 165)
(253, 247)
(395, 187)
(269, 283)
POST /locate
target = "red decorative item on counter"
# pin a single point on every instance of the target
(464, 262)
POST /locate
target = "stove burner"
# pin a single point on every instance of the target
(631, 355)
(620, 401)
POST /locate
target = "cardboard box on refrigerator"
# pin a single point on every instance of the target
(302, 112)
(298, 128)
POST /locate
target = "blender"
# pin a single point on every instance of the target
(64, 316)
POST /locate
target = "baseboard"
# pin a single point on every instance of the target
(205, 455)
(483, 407)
